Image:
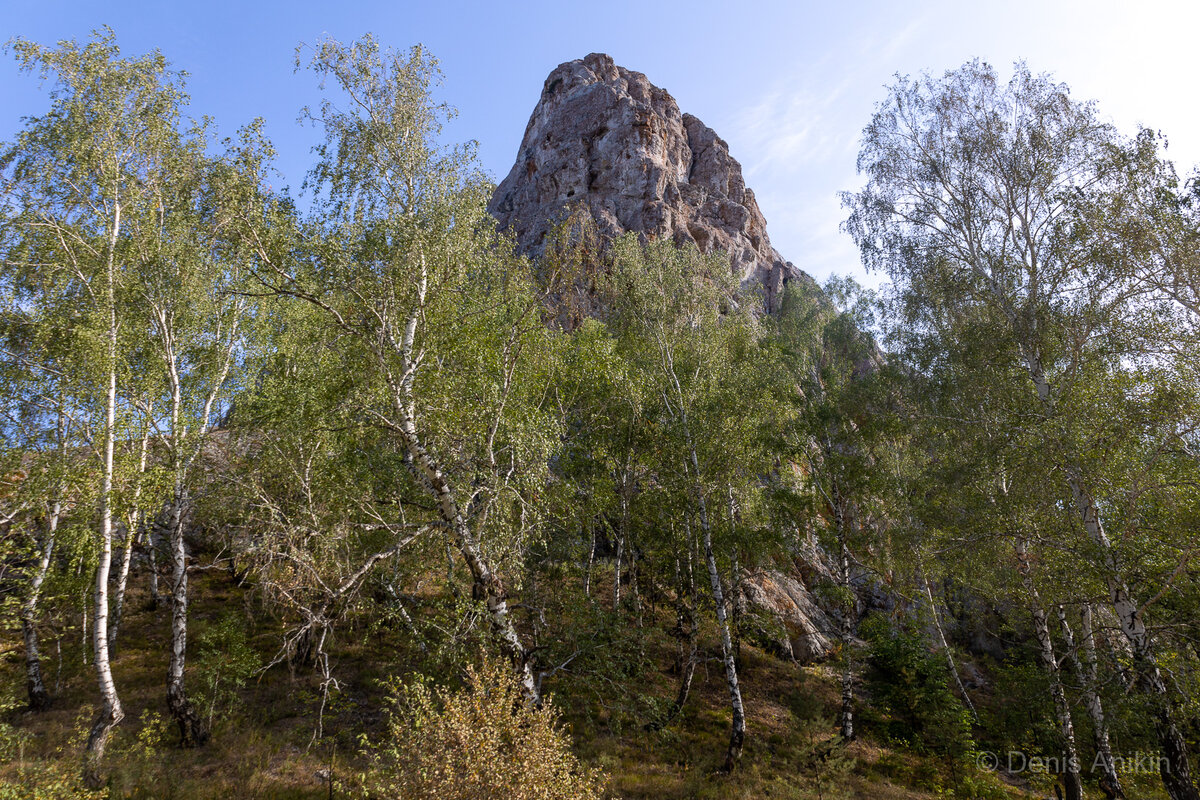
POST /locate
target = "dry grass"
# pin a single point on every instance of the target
(265, 748)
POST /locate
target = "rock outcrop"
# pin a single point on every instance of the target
(605, 138)
(780, 614)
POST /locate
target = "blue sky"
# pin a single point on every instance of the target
(788, 85)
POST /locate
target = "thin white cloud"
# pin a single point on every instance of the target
(797, 141)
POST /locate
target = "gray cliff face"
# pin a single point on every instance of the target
(605, 138)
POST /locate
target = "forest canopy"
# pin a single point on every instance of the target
(348, 475)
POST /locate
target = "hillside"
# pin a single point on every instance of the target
(574, 487)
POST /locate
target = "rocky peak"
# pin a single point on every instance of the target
(605, 138)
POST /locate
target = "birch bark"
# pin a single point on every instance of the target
(131, 537)
(1177, 777)
(39, 697)
(1087, 668)
(1062, 708)
(111, 711)
(951, 663)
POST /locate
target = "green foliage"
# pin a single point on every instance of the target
(414, 407)
(824, 764)
(911, 686)
(224, 664)
(12, 739)
(49, 784)
(39, 779)
(142, 760)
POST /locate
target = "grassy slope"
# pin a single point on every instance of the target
(263, 747)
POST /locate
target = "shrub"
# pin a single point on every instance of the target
(911, 685)
(479, 742)
(226, 662)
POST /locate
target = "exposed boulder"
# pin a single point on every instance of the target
(781, 615)
(605, 139)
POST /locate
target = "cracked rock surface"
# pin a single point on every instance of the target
(605, 138)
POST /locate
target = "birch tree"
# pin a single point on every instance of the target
(969, 182)
(191, 277)
(696, 351)
(78, 178)
(436, 320)
(835, 430)
(37, 432)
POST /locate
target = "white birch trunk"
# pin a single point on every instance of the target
(39, 698)
(192, 732)
(849, 612)
(619, 564)
(737, 734)
(152, 562)
(487, 584)
(945, 646)
(1176, 777)
(591, 560)
(1062, 708)
(735, 583)
(111, 712)
(131, 536)
(118, 602)
(849, 608)
(1085, 665)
